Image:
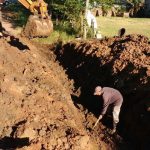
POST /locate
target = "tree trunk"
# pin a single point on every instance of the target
(85, 24)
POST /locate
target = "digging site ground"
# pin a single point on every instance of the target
(46, 93)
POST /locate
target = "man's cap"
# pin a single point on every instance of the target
(97, 89)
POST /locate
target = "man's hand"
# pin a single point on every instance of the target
(100, 117)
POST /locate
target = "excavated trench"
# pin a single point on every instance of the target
(122, 63)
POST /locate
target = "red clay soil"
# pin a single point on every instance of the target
(122, 63)
(35, 104)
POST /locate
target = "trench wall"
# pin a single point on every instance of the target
(122, 63)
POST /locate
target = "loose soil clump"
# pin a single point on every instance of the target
(37, 27)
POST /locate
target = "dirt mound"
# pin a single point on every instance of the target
(35, 103)
(123, 63)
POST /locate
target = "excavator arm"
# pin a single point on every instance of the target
(36, 7)
(26, 3)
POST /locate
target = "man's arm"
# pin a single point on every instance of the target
(104, 108)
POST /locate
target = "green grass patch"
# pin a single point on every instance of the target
(109, 26)
(56, 36)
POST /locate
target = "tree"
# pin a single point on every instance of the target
(67, 8)
(84, 25)
(71, 10)
(135, 1)
(106, 2)
(135, 7)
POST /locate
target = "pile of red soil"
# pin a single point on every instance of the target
(36, 109)
(122, 63)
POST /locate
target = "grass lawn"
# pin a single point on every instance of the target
(54, 37)
(109, 26)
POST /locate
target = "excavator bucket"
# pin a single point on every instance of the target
(37, 27)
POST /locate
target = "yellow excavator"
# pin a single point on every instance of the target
(39, 24)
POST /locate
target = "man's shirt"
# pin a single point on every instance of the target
(111, 96)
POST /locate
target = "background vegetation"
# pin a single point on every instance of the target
(67, 14)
